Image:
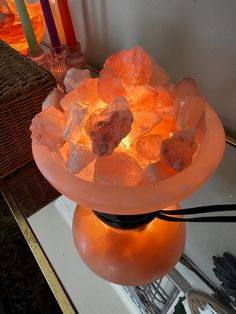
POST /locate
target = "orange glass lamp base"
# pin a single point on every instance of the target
(127, 257)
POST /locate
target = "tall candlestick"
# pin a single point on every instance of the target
(55, 41)
(58, 22)
(67, 23)
(27, 27)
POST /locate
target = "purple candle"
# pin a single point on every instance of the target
(51, 26)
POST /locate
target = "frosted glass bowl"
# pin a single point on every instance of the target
(143, 198)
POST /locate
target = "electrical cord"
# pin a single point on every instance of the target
(170, 215)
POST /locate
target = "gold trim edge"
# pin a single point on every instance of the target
(53, 281)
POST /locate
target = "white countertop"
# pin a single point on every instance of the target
(91, 294)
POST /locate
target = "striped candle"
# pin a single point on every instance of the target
(28, 28)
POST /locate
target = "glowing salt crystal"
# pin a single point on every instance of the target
(156, 172)
(87, 173)
(117, 169)
(74, 122)
(186, 87)
(119, 103)
(167, 124)
(47, 128)
(159, 75)
(106, 127)
(64, 150)
(163, 128)
(189, 110)
(178, 150)
(143, 97)
(109, 86)
(86, 94)
(149, 146)
(53, 99)
(143, 123)
(74, 77)
(133, 67)
(79, 157)
(164, 98)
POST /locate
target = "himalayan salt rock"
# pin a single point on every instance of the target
(84, 139)
(143, 123)
(164, 98)
(117, 169)
(53, 99)
(178, 150)
(159, 75)
(74, 77)
(163, 128)
(119, 103)
(169, 87)
(143, 97)
(189, 110)
(86, 94)
(106, 127)
(74, 122)
(79, 157)
(156, 172)
(133, 67)
(47, 128)
(186, 87)
(167, 124)
(87, 173)
(130, 149)
(109, 86)
(64, 151)
(149, 146)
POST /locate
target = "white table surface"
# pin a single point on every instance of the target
(93, 295)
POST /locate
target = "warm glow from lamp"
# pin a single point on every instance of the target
(124, 146)
(11, 30)
(127, 256)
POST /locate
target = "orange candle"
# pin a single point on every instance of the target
(67, 22)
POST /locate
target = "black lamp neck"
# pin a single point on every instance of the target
(125, 221)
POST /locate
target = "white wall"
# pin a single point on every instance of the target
(194, 38)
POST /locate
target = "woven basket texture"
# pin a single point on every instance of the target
(30, 189)
(23, 87)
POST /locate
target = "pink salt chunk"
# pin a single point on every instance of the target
(156, 172)
(159, 75)
(117, 169)
(74, 77)
(133, 67)
(79, 157)
(107, 127)
(86, 94)
(186, 87)
(143, 123)
(178, 150)
(53, 99)
(148, 98)
(47, 128)
(149, 146)
(109, 86)
(74, 122)
(189, 110)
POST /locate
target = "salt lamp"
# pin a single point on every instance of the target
(132, 144)
(11, 30)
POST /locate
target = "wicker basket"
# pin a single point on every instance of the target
(23, 87)
(30, 189)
